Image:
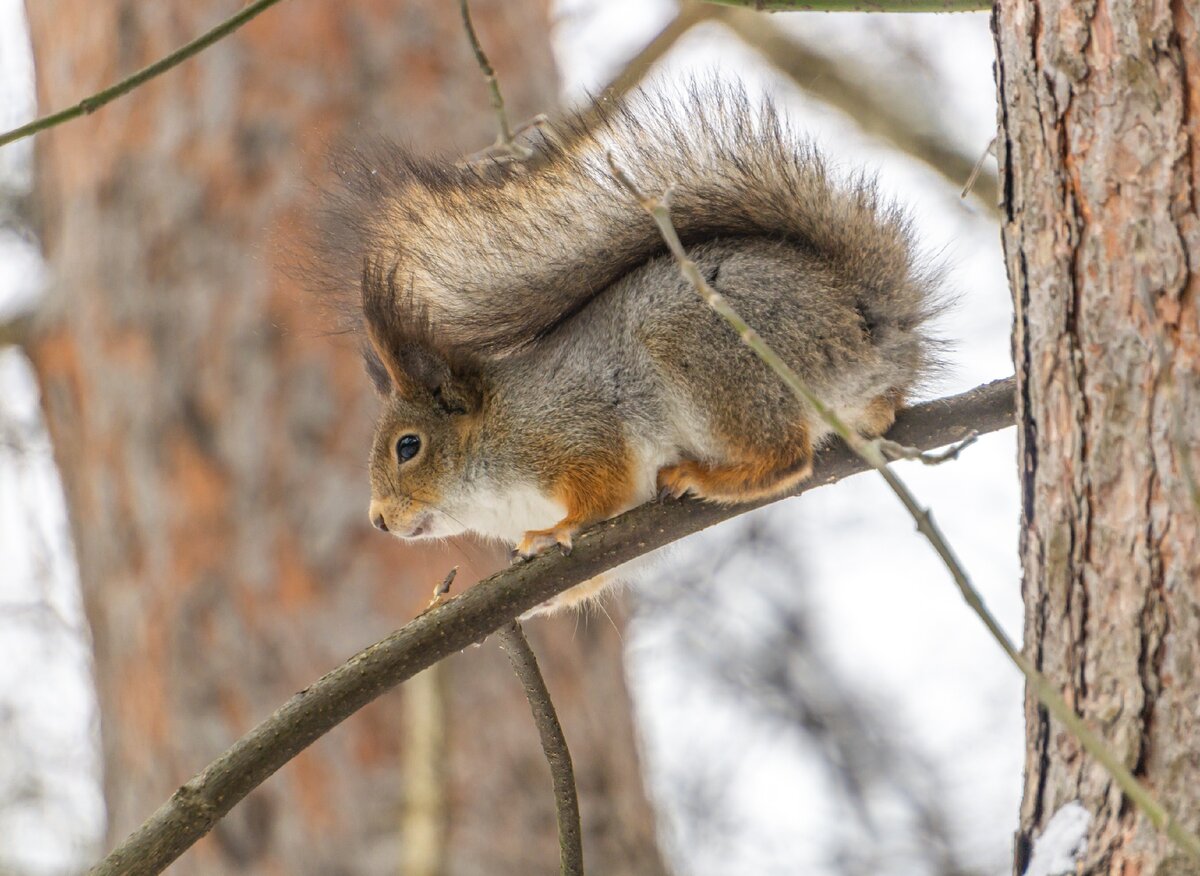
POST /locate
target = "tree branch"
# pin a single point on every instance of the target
(554, 744)
(91, 104)
(506, 147)
(873, 111)
(472, 616)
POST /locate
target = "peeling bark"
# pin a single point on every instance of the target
(1099, 102)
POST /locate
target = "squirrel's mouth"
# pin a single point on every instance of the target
(420, 527)
(429, 524)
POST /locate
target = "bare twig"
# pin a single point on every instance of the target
(876, 113)
(859, 5)
(472, 616)
(91, 104)
(978, 168)
(505, 147)
(871, 452)
(554, 744)
(895, 451)
(442, 589)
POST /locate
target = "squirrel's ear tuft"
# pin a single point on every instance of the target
(402, 354)
(380, 379)
(386, 331)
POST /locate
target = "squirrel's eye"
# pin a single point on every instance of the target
(407, 447)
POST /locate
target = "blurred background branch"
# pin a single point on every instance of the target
(14, 331)
(877, 107)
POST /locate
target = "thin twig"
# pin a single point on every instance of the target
(871, 452)
(505, 147)
(503, 154)
(472, 616)
(442, 589)
(894, 451)
(978, 168)
(859, 5)
(554, 744)
(91, 104)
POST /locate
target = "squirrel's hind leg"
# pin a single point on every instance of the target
(879, 414)
(750, 476)
(745, 477)
(580, 596)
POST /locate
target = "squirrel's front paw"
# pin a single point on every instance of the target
(540, 540)
(675, 481)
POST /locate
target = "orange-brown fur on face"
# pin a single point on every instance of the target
(408, 494)
(430, 393)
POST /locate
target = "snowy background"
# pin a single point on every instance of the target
(808, 680)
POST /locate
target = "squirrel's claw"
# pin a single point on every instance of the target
(540, 540)
(674, 482)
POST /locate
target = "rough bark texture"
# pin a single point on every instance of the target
(1100, 103)
(212, 440)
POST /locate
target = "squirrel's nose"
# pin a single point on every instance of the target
(377, 518)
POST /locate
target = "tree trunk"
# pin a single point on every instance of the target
(212, 439)
(1099, 106)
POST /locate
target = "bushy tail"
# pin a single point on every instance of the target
(492, 256)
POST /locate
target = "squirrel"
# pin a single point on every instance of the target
(544, 365)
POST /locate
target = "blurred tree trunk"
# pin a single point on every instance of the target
(1100, 107)
(212, 441)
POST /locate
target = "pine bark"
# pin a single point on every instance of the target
(212, 436)
(1099, 107)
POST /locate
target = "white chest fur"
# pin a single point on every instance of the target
(509, 513)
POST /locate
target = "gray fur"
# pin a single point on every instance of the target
(609, 370)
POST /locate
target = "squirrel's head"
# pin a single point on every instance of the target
(432, 399)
